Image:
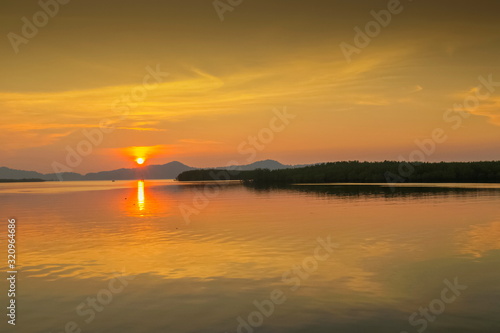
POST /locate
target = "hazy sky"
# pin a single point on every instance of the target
(226, 77)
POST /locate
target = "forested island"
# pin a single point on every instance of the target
(360, 172)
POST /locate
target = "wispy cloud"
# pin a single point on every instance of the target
(199, 142)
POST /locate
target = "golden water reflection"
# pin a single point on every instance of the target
(230, 233)
(243, 239)
(148, 200)
(140, 195)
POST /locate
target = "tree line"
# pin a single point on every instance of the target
(360, 172)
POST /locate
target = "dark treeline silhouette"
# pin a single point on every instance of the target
(24, 180)
(360, 172)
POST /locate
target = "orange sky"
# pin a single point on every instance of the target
(226, 77)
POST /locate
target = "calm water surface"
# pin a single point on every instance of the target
(127, 245)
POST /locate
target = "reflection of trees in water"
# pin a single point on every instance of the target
(377, 190)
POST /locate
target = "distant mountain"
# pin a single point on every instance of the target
(166, 171)
(6, 173)
(266, 164)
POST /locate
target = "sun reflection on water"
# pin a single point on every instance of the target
(141, 199)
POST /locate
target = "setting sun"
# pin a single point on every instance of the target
(140, 160)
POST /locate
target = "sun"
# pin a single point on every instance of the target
(140, 160)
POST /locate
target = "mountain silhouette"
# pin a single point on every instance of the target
(166, 171)
(266, 164)
(6, 173)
